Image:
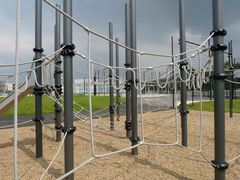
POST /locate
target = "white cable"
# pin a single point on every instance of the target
(17, 60)
(55, 156)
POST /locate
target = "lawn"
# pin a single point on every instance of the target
(209, 106)
(27, 105)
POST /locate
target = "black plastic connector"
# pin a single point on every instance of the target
(183, 111)
(69, 130)
(38, 50)
(111, 109)
(183, 63)
(217, 47)
(37, 59)
(127, 65)
(58, 128)
(58, 61)
(136, 139)
(218, 165)
(128, 125)
(38, 90)
(219, 32)
(68, 50)
(35, 119)
(57, 108)
(220, 76)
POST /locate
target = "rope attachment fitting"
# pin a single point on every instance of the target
(218, 165)
(68, 50)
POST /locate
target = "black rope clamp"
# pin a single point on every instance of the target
(135, 139)
(220, 76)
(59, 127)
(219, 32)
(183, 111)
(58, 61)
(36, 119)
(38, 50)
(69, 130)
(127, 65)
(128, 125)
(38, 90)
(127, 86)
(111, 109)
(218, 165)
(68, 50)
(183, 63)
(57, 108)
(37, 61)
(217, 47)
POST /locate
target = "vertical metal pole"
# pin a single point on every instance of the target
(133, 36)
(84, 85)
(111, 107)
(68, 88)
(95, 86)
(173, 94)
(117, 82)
(183, 109)
(211, 79)
(231, 70)
(98, 78)
(57, 77)
(219, 113)
(38, 90)
(128, 73)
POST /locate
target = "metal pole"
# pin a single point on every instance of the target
(68, 53)
(117, 82)
(183, 64)
(98, 78)
(211, 87)
(111, 107)
(231, 70)
(38, 91)
(57, 77)
(84, 85)
(173, 94)
(133, 38)
(95, 86)
(128, 73)
(218, 47)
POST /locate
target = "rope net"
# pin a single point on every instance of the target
(147, 80)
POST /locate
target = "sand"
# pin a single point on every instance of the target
(152, 162)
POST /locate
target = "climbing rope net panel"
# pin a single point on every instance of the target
(197, 69)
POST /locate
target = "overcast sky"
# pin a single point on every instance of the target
(157, 21)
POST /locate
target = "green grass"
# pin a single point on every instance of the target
(27, 105)
(209, 106)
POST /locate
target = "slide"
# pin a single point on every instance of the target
(25, 88)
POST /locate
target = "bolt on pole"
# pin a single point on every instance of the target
(133, 40)
(218, 48)
(57, 76)
(111, 107)
(68, 53)
(38, 91)
(183, 108)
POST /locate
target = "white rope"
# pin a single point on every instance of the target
(17, 59)
(55, 156)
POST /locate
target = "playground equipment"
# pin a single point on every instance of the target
(180, 68)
